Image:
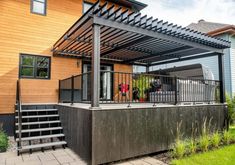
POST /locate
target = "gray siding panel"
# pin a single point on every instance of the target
(212, 63)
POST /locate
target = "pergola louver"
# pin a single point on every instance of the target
(129, 37)
(108, 32)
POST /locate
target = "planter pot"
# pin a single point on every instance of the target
(142, 100)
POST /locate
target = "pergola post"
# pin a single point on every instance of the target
(221, 77)
(95, 72)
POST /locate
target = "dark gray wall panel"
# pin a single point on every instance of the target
(101, 136)
(121, 134)
(7, 122)
(77, 128)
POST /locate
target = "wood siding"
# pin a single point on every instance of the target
(24, 32)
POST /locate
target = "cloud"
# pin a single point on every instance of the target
(184, 12)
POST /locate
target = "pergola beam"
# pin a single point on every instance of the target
(153, 34)
(191, 57)
(167, 52)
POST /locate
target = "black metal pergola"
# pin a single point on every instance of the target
(110, 33)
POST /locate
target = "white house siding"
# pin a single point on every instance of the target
(232, 63)
(212, 63)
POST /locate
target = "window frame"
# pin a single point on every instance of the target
(35, 67)
(83, 3)
(45, 7)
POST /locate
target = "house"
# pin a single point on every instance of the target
(67, 78)
(227, 32)
(219, 30)
(28, 31)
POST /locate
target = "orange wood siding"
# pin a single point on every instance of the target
(24, 32)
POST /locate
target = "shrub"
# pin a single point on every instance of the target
(3, 141)
(204, 143)
(179, 149)
(204, 140)
(215, 139)
(192, 146)
(231, 108)
(227, 137)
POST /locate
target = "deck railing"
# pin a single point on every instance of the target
(19, 112)
(121, 87)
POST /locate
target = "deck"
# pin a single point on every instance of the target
(117, 132)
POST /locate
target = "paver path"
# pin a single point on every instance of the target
(142, 161)
(50, 157)
(61, 157)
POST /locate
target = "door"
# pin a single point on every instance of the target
(105, 82)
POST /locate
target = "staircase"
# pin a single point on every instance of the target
(40, 128)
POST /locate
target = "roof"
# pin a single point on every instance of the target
(212, 28)
(129, 37)
(134, 5)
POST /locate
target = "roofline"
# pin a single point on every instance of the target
(227, 29)
(136, 5)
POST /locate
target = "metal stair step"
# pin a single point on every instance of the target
(40, 137)
(39, 129)
(42, 145)
(39, 122)
(38, 116)
(37, 110)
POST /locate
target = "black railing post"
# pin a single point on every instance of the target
(59, 95)
(176, 91)
(72, 89)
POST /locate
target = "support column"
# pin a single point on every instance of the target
(95, 72)
(221, 77)
(147, 68)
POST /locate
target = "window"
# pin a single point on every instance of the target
(34, 66)
(86, 6)
(38, 7)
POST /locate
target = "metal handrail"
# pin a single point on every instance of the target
(19, 107)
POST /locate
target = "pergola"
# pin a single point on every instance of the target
(110, 33)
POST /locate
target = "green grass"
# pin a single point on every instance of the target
(222, 156)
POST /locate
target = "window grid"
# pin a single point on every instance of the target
(42, 2)
(35, 67)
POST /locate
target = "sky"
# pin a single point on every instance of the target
(184, 12)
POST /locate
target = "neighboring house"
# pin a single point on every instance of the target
(224, 31)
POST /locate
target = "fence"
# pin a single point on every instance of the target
(121, 87)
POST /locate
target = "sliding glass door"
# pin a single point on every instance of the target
(105, 82)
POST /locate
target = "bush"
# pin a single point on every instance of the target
(3, 141)
(227, 137)
(179, 149)
(231, 108)
(215, 139)
(204, 143)
(192, 146)
(204, 140)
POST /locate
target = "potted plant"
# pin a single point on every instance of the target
(142, 82)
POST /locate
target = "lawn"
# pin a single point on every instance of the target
(222, 156)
